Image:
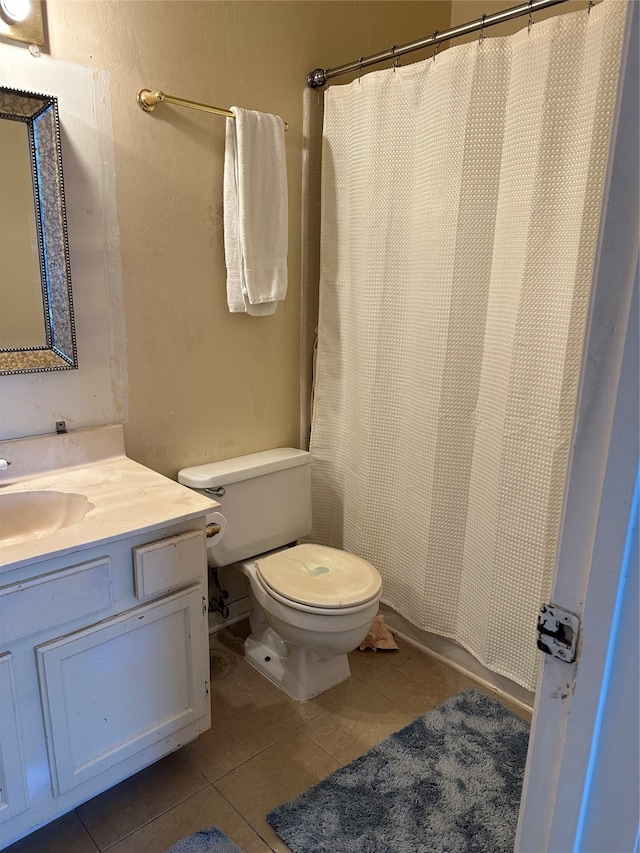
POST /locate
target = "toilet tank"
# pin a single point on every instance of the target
(266, 501)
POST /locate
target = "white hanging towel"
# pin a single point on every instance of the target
(255, 212)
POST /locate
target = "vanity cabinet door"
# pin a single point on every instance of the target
(123, 684)
(13, 792)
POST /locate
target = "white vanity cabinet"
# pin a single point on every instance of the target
(13, 793)
(103, 668)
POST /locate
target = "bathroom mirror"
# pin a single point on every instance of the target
(37, 330)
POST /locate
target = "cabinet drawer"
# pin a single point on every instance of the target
(37, 604)
(169, 563)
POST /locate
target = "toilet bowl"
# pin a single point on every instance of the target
(310, 604)
(304, 621)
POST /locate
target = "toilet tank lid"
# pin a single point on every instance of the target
(227, 471)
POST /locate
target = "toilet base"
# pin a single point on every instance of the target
(300, 672)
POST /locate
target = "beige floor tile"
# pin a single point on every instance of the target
(298, 712)
(226, 653)
(351, 727)
(371, 664)
(65, 835)
(139, 799)
(281, 772)
(206, 808)
(244, 723)
(524, 713)
(266, 692)
(421, 684)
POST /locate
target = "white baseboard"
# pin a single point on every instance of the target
(451, 653)
(238, 610)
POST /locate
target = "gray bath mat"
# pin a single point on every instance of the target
(211, 840)
(448, 783)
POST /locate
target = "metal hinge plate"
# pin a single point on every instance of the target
(558, 631)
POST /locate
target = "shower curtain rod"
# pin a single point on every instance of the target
(320, 76)
(148, 101)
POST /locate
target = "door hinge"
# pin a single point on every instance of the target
(204, 604)
(206, 689)
(558, 631)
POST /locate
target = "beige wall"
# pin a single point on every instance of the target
(204, 384)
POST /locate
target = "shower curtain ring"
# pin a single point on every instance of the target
(396, 64)
(590, 7)
(435, 52)
(530, 24)
(360, 68)
(481, 39)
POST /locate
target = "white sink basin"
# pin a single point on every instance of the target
(33, 515)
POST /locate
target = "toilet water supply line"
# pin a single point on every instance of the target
(217, 602)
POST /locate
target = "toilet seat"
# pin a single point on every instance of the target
(316, 576)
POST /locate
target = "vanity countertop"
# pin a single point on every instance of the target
(128, 498)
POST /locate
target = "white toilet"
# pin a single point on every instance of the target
(311, 604)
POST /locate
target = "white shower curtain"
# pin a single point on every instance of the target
(460, 212)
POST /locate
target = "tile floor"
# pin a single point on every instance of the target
(263, 749)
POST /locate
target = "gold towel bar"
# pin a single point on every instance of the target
(148, 101)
